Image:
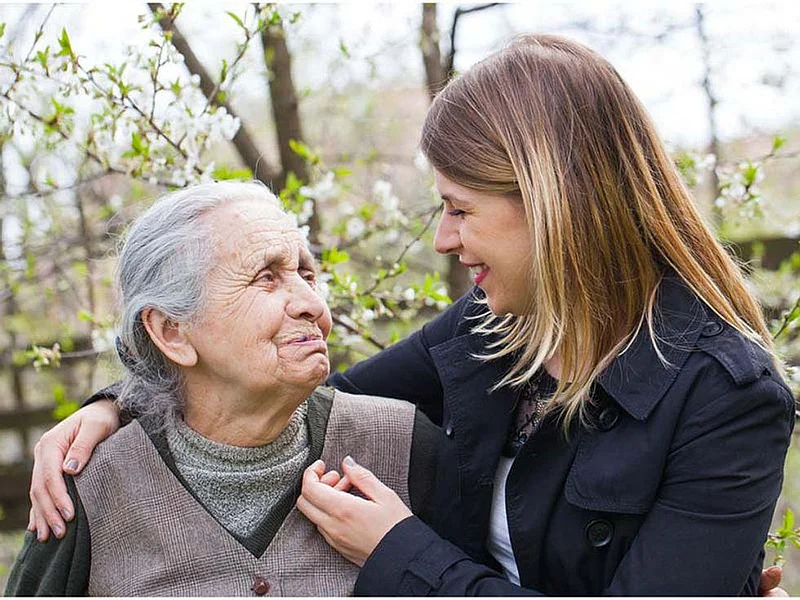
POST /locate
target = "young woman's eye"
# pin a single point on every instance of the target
(455, 212)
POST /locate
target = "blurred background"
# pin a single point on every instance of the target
(105, 106)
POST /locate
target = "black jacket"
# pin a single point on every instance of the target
(669, 493)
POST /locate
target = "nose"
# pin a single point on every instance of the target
(447, 239)
(304, 302)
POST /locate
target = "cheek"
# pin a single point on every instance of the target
(325, 323)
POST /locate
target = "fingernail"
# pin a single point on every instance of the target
(58, 530)
(66, 513)
(72, 465)
(348, 460)
(40, 536)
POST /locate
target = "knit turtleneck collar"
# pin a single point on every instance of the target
(239, 485)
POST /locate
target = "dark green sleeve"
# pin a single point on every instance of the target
(55, 567)
(425, 441)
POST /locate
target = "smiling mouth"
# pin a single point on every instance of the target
(478, 272)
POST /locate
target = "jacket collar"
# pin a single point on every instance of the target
(638, 378)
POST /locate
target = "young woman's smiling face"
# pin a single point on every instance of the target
(491, 237)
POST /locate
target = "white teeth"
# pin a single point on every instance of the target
(477, 269)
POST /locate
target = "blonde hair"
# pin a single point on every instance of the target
(551, 123)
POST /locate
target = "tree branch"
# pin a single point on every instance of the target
(449, 66)
(243, 141)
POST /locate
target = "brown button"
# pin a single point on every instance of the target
(260, 585)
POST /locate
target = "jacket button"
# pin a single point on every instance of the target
(712, 328)
(599, 533)
(608, 418)
(448, 431)
(260, 585)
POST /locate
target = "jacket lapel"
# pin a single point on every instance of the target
(479, 419)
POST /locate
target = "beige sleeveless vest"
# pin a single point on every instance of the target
(150, 537)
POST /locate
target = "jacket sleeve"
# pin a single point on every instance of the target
(425, 441)
(406, 370)
(55, 567)
(720, 485)
(412, 560)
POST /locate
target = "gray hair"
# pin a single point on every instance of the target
(163, 265)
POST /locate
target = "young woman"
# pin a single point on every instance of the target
(613, 419)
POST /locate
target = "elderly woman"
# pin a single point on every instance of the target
(223, 333)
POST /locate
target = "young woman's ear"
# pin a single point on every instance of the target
(169, 337)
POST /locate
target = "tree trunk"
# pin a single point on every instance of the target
(286, 111)
(435, 75)
(457, 278)
(714, 147)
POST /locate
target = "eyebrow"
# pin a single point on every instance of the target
(450, 198)
(306, 260)
(276, 256)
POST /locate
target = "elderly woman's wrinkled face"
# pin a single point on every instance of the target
(264, 325)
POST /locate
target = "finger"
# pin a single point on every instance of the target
(331, 478)
(47, 517)
(45, 482)
(331, 501)
(311, 512)
(87, 436)
(770, 578)
(31, 521)
(344, 484)
(365, 480)
(317, 467)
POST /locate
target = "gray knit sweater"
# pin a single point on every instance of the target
(240, 485)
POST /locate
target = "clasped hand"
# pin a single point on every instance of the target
(353, 526)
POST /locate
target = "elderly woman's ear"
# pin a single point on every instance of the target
(170, 337)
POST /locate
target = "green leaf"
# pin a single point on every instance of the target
(65, 409)
(65, 44)
(223, 172)
(42, 57)
(788, 519)
(59, 393)
(343, 49)
(81, 269)
(334, 256)
(236, 18)
(2, 29)
(139, 147)
(303, 151)
(749, 173)
(342, 172)
(777, 143)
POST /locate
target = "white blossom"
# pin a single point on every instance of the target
(355, 227)
(103, 339)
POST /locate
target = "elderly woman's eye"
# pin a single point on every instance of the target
(265, 277)
(310, 277)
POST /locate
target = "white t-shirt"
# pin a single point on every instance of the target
(499, 541)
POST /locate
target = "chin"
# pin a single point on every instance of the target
(497, 306)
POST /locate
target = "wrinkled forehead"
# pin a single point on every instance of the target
(247, 228)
